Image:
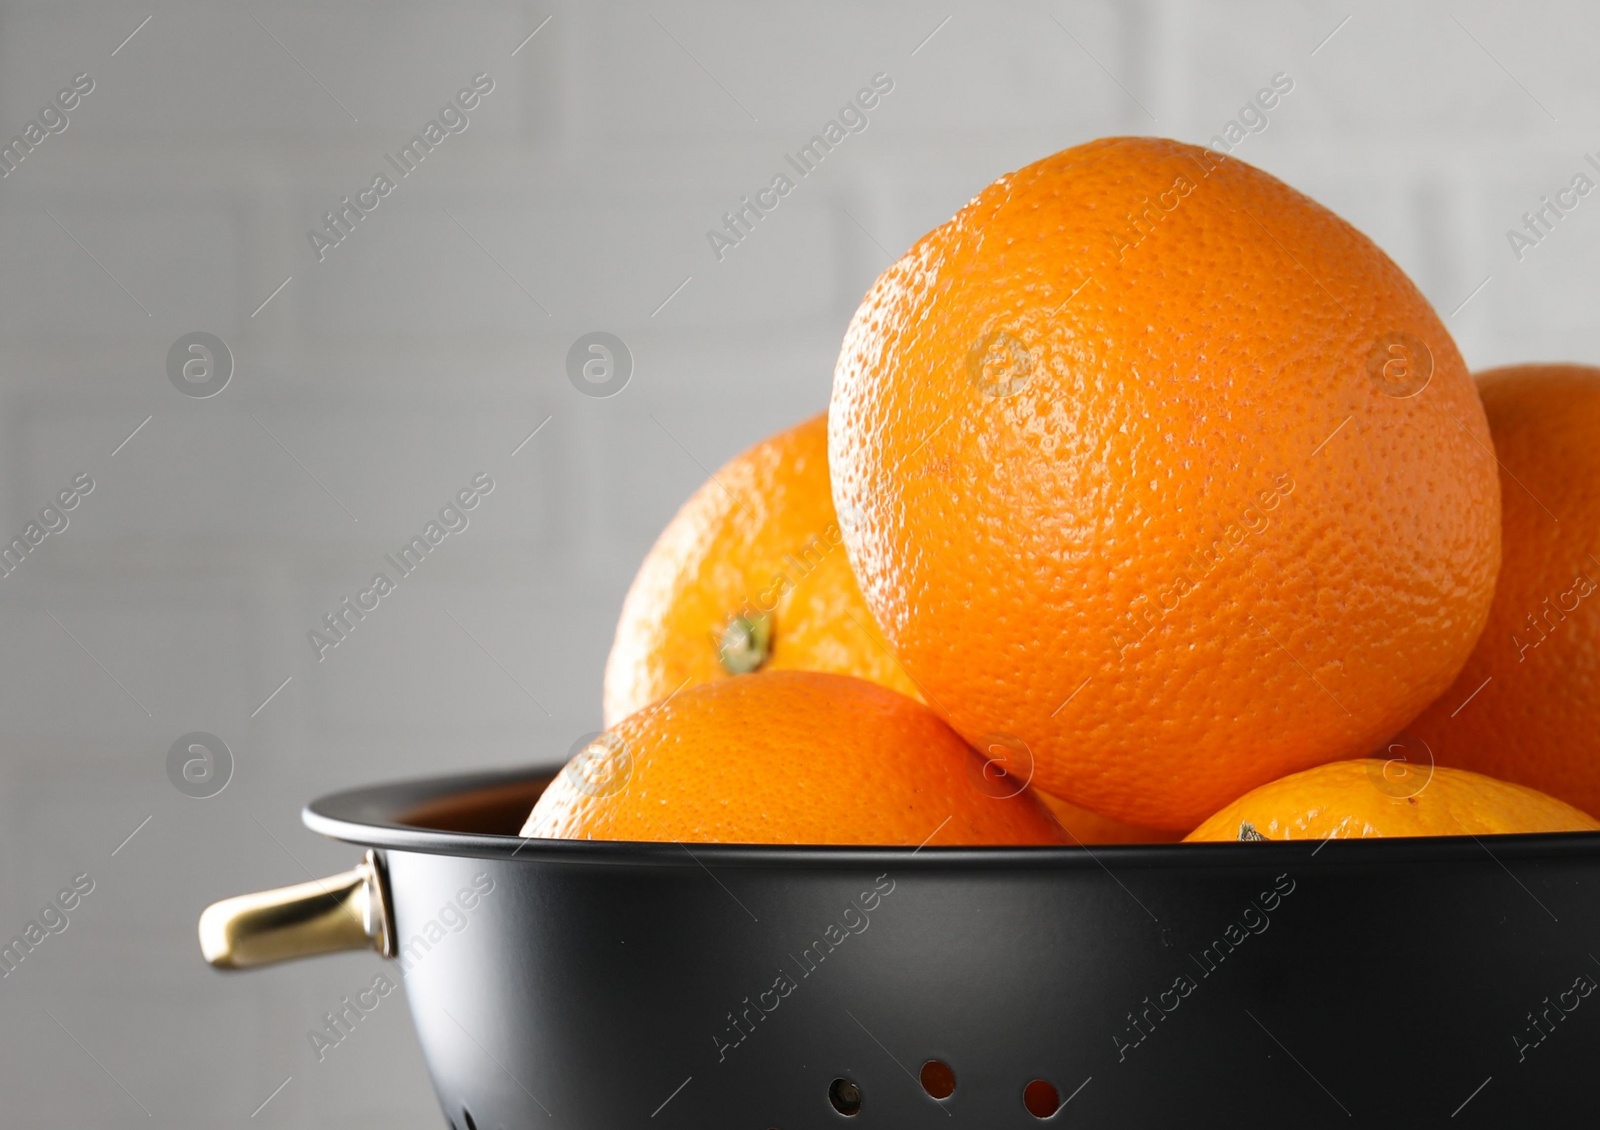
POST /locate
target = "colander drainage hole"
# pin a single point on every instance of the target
(466, 1117)
(1041, 1098)
(845, 1097)
(938, 1079)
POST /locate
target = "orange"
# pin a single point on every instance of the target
(787, 757)
(1085, 827)
(1368, 798)
(1167, 472)
(1526, 707)
(749, 574)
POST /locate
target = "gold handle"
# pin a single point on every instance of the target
(349, 911)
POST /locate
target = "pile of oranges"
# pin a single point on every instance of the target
(1153, 501)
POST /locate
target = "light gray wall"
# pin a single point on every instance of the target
(429, 344)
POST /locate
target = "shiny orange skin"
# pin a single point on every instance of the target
(1368, 798)
(1085, 827)
(759, 536)
(788, 757)
(1146, 502)
(1536, 720)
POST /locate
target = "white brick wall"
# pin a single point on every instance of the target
(408, 361)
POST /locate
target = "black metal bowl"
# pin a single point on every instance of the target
(607, 985)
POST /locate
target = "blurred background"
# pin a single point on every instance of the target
(347, 392)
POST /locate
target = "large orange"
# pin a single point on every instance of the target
(749, 574)
(1364, 799)
(1526, 707)
(1165, 470)
(787, 757)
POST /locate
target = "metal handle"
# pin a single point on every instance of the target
(348, 911)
